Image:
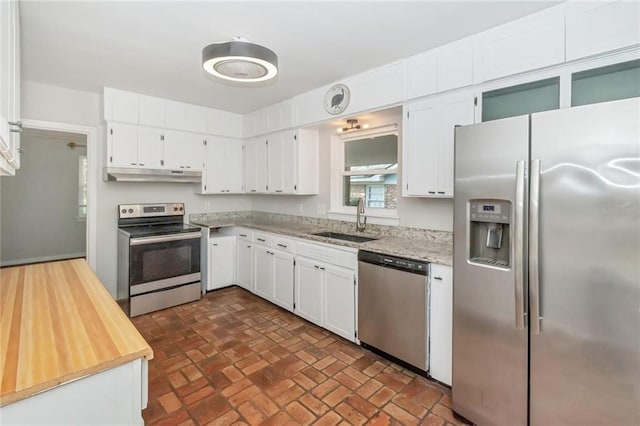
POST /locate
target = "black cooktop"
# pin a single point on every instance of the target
(158, 229)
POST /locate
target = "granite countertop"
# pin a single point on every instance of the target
(440, 252)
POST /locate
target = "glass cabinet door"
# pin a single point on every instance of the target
(610, 83)
(527, 98)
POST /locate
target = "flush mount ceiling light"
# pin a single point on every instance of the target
(239, 60)
(353, 125)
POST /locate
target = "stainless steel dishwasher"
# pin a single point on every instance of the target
(392, 306)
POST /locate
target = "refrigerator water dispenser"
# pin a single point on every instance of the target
(489, 222)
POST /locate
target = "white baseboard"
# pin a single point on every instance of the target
(43, 259)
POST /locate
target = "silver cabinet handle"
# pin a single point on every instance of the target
(243, 235)
(18, 130)
(534, 244)
(437, 278)
(15, 123)
(260, 239)
(282, 245)
(518, 261)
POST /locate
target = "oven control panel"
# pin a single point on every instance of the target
(150, 210)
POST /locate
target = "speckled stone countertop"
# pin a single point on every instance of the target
(412, 243)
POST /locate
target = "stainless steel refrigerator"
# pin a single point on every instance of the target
(546, 305)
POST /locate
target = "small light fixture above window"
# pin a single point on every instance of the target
(240, 61)
(352, 125)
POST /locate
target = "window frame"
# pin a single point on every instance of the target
(375, 215)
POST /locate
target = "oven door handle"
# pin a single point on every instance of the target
(163, 238)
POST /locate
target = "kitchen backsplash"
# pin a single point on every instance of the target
(328, 224)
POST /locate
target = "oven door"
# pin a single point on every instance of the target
(163, 261)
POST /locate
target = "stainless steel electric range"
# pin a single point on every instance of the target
(158, 258)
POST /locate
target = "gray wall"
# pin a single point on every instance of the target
(40, 204)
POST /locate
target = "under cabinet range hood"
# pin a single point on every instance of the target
(127, 174)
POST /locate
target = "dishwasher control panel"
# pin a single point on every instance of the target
(408, 265)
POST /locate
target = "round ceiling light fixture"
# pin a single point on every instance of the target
(239, 60)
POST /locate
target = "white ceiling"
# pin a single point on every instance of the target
(154, 47)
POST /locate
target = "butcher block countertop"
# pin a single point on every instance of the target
(58, 323)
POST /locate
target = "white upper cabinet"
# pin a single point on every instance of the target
(150, 147)
(422, 72)
(196, 119)
(429, 142)
(151, 111)
(132, 108)
(279, 116)
(122, 145)
(175, 115)
(527, 44)
(254, 123)
(455, 65)
(598, 27)
(183, 150)
(256, 165)
(224, 169)
(376, 88)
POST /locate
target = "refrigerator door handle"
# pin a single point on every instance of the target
(518, 262)
(534, 244)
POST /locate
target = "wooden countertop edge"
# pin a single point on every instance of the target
(16, 396)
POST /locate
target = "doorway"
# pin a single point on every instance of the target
(44, 207)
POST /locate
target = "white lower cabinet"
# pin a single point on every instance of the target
(325, 295)
(263, 272)
(274, 275)
(308, 292)
(339, 301)
(283, 278)
(440, 324)
(244, 264)
(222, 259)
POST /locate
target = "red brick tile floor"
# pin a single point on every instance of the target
(233, 358)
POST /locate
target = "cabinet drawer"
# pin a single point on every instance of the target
(328, 255)
(244, 234)
(283, 244)
(262, 238)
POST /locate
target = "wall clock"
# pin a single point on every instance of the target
(337, 99)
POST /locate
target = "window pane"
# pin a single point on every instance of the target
(610, 83)
(543, 95)
(379, 191)
(371, 154)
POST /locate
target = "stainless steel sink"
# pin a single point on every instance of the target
(344, 237)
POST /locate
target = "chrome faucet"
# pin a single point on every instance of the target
(361, 219)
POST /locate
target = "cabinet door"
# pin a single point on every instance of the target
(440, 322)
(308, 285)
(221, 263)
(289, 163)
(283, 280)
(175, 114)
(174, 150)
(14, 83)
(256, 165)
(151, 111)
(455, 110)
(263, 272)
(598, 27)
(234, 172)
(244, 265)
(151, 147)
(421, 149)
(216, 165)
(339, 301)
(125, 106)
(193, 151)
(123, 145)
(275, 163)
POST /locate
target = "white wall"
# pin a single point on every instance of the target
(40, 217)
(51, 103)
(436, 214)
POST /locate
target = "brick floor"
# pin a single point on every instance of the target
(233, 358)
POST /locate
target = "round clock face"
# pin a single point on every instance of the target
(337, 99)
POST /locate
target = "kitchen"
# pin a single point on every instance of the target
(543, 58)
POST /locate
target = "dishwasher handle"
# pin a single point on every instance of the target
(394, 262)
